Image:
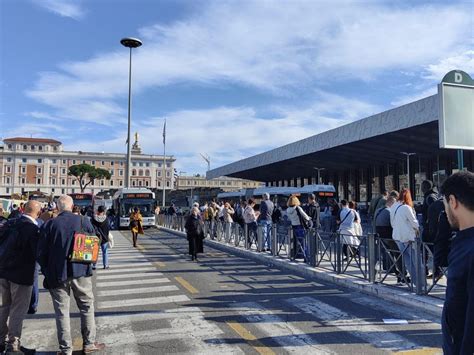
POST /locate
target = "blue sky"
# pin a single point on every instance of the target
(233, 78)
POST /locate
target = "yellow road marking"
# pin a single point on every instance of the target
(250, 338)
(159, 264)
(422, 351)
(186, 285)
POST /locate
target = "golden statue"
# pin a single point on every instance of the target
(136, 137)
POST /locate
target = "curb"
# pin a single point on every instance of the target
(388, 293)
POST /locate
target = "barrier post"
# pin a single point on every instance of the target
(274, 245)
(317, 237)
(338, 253)
(311, 240)
(291, 244)
(259, 239)
(247, 236)
(371, 254)
(418, 265)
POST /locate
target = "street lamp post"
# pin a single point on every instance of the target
(129, 42)
(408, 155)
(319, 173)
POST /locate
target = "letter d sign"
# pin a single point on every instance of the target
(457, 77)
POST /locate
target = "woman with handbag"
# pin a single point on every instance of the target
(194, 233)
(102, 230)
(299, 220)
(136, 226)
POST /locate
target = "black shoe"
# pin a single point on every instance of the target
(27, 351)
(107, 267)
(32, 311)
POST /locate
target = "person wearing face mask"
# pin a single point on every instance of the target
(17, 270)
(194, 233)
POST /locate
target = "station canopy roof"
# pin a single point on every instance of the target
(375, 140)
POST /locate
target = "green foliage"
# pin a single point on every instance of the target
(86, 174)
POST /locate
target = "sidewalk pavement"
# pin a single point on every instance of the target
(428, 304)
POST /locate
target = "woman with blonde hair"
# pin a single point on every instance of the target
(297, 217)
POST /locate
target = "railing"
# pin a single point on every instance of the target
(368, 257)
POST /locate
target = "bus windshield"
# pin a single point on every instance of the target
(146, 207)
(82, 203)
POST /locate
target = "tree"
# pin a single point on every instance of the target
(86, 174)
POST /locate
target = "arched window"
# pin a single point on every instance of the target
(140, 172)
(140, 183)
(133, 183)
(134, 172)
(147, 172)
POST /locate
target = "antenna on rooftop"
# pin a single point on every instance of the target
(207, 159)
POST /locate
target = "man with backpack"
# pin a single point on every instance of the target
(63, 276)
(313, 210)
(18, 245)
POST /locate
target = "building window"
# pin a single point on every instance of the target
(63, 171)
(102, 163)
(7, 180)
(39, 170)
(53, 181)
(146, 183)
(147, 172)
(25, 147)
(159, 183)
(23, 160)
(147, 164)
(38, 181)
(160, 165)
(22, 180)
(55, 148)
(8, 169)
(111, 183)
(74, 162)
(101, 182)
(134, 172)
(93, 162)
(23, 170)
(64, 161)
(140, 183)
(140, 172)
(121, 183)
(158, 173)
(141, 164)
(40, 161)
(9, 159)
(54, 161)
(111, 163)
(121, 172)
(134, 164)
(9, 146)
(53, 171)
(167, 184)
(8, 190)
(73, 182)
(40, 147)
(32, 147)
(83, 162)
(63, 181)
(121, 163)
(133, 183)
(168, 174)
(112, 172)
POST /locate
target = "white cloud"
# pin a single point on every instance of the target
(65, 8)
(232, 133)
(462, 61)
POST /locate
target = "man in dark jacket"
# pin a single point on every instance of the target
(458, 311)
(313, 210)
(62, 276)
(16, 277)
(429, 197)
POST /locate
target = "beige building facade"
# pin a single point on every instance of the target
(224, 183)
(41, 164)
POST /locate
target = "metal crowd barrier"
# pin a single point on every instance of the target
(369, 257)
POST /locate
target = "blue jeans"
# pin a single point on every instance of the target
(105, 254)
(409, 260)
(266, 233)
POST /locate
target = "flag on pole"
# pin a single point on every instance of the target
(164, 132)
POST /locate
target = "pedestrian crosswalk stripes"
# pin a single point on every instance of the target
(141, 301)
(126, 271)
(360, 328)
(127, 276)
(141, 290)
(131, 282)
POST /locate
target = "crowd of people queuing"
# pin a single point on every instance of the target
(36, 239)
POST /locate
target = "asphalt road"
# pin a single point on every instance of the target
(154, 300)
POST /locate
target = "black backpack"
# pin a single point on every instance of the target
(8, 242)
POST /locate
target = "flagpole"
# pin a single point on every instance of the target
(164, 163)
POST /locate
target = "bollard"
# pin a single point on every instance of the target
(338, 253)
(274, 240)
(291, 245)
(237, 235)
(288, 240)
(317, 238)
(259, 239)
(311, 243)
(418, 265)
(371, 254)
(247, 236)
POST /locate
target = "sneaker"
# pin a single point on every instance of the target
(32, 311)
(107, 267)
(93, 348)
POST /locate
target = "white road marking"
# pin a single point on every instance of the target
(137, 275)
(142, 301)
(131, 282)
(118, 268)
(140, 290)
(289, 337)
(368, 332)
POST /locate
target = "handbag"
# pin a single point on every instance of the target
(85, 248)
(111, 240)
(306, 224)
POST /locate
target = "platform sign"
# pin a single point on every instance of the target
(456, 119)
